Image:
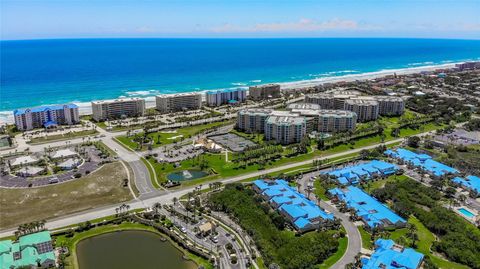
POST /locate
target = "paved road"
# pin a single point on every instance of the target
(149, 198)
(354, 237)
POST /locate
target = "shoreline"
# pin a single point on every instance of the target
(6, 117)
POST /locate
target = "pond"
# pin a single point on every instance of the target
(130, 249)
(186, 175)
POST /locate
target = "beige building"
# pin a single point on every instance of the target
(167, 103)
(285, 129)
(366, 109)
(390, 105)
(328, 100)
(252, 120)
(263, 92)
(115, 109)
(334, 121)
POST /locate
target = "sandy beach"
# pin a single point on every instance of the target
(6, 117)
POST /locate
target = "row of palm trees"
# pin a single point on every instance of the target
(31, 227)
(122, 209)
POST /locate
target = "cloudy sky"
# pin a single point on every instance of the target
(33, 19)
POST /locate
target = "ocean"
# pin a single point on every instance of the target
(40, 72)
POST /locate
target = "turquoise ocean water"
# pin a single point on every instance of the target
(38, 72)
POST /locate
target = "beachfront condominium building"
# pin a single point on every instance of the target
(252, 120)
(46, 116)
(285, 129)
(335, 121)
(228, 96)
(167, 103)
(262, 92)
(115, 109)
(328, 100)
(365, 109)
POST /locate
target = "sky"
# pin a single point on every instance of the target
(45, 19)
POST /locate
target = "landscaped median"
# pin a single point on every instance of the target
(61, 137)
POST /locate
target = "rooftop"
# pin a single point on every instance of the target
(423, 161)
(388, 255)
(32, 248)
(43, 108)
(351, 174)
(285, 119)
(470, 182)
(303, 211)
(63, 153)
(368, 208)
(307, 106)
(23, 160)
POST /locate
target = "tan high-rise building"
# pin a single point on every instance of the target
(115, 109)
(263, 92)
(365, 109)
(167, 103)
(285, 129)
(252, 120)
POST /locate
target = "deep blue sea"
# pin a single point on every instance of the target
(36, 72)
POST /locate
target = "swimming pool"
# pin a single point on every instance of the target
(466, 213)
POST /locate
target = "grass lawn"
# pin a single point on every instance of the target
(150, 172)
(366, 242)
(342, 248)
(102, 187)
(164, 137)
(373, 185)
(70, 135)
(72, 242)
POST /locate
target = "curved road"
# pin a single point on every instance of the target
(354, 237)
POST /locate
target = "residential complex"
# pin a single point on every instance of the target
(389, 255)
(30, 251)
(263, 92)
(252, 120)
(167, 103)
(228, 96)
(46, 116)
(366, 107)
(365, 171)
(285, 129)
(114, 109)
(302, 213)
(421, 161)
(373, 213)
(470, 183)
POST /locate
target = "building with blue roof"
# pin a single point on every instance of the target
(373, 213)
(46, 116)
(421, 161)
(365, 171)
(389, 255)
(226, 96)
(470, 183)
(304, 214)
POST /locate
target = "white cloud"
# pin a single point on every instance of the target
(303, 25)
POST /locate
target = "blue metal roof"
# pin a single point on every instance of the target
(293, 203)
(389, 256)
(372, 211)
(43, 108)
(423, 161)
(351, 174)
(470, 182)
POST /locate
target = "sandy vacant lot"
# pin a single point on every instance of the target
(102, 187)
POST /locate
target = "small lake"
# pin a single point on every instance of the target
(186, 175)
(130, 249)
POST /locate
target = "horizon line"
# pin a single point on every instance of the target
(236, 37)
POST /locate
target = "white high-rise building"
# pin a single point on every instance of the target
(167, 103)
(46, 116)
(115, 109)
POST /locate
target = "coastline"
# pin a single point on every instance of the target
(6, 117)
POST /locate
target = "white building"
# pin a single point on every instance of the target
(46, 116)
(114, 109)
(229, 96)
(285, 129)
(167, 103)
